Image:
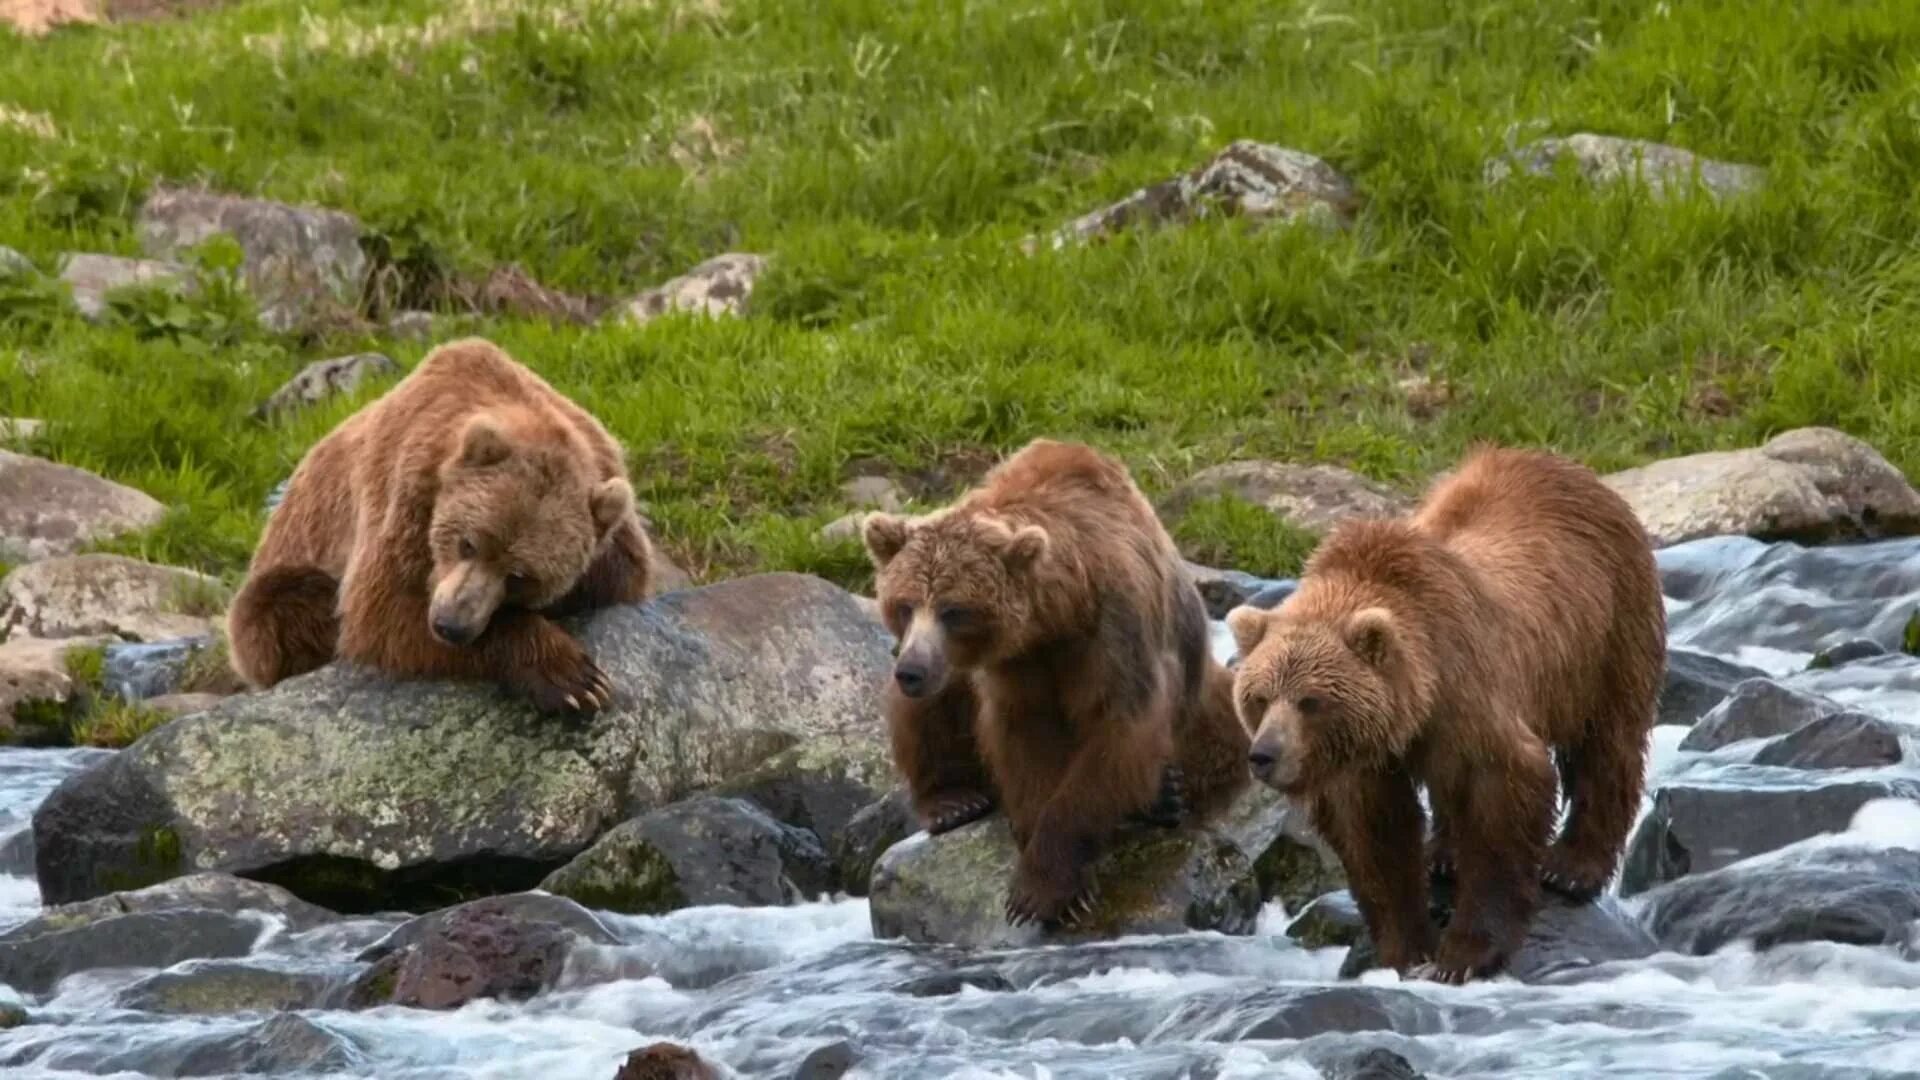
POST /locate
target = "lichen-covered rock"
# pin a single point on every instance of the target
(81, 595)
(48, 509)
(219, 987)
(1665, 170)
(1848, 895)
(325, 379)
(365, 793)
(1291, 862)
(718, 287)
(92, 277)
(36, 956)
(196, 892)
(301, 264)
(820, 784)
(507, 948)
(36, 684)
(1312, 498)
(1694, 829)
(1809, 484)
(703, 850)
(1248, 179)
(952, 889)
(866, 838)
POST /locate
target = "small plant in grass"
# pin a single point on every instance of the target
(1233, 534)
(111, 723)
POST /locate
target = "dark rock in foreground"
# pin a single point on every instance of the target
(868, 836)
(219, 987)
(1695, 829)
(1846, 895)
(665, 1061)
(364, 793)
(1696, 683)
(1845, 740)
(705, 850)
(508, 948)
(34, 958)
(1756, 709)
(952, 888)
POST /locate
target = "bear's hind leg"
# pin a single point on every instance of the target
(284, 622)
(935, 750)
(1602, 780)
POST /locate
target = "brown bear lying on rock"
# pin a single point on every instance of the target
(1515, 617)
(434, 532)
(1054, 661)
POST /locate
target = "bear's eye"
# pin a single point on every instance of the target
(1257, 706)
(957, 618)
(467, 550)
(1310, 705)
(903, 613)
(517, 583)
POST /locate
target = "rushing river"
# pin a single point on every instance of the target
(758, 990)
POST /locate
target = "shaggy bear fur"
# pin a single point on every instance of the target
(1514, 617)
(434, 532)
(1053, 660)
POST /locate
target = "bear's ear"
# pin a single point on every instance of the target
(1025, 547)
(884, 535)
(482, 443)
(1248, 625)
(1370, 634)
(610, 503)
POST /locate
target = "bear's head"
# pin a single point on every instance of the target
(955, 589)
(516, 523)
(1321, 693)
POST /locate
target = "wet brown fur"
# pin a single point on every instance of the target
(1522, 620)
(347, 563)
(1088, 674)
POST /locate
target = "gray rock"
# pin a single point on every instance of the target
(506, 949)
(818, 785)
(718, 287)
(416, 326)
(1308, 497)
(325, 379)
(92, 277)
(1566, 937)
(34, 672)
(284, 1044)
(867, 836)
(302, 265)
(1846, 740)
(1291, 863)
(1846, 895)
(1809, 484)
(1664, 170)
(1224, 590)
(219, 987)
(705, 850)
(220, 893)
(829, 1062)
(949, 983)
(48, 509)
(366, 793)
(82, 595)
(35, 957)
(1846, 653)
(1756, 709)
(1248, 179)
(873, 493)
(843, 529)
(1695, 683)
(952, 888)
(1693, 829)
(1377, 1063)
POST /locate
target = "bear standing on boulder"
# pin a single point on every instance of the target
(1514, 617)
(435, 532)
(1053, 659)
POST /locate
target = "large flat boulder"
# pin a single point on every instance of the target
(48, 509)
(125, 598)
(361, 793)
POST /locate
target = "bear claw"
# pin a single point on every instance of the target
(1433, 972)
(1170, 804)
(952, 812)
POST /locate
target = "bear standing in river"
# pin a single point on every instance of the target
(434, 532)
(1515, 618)
(1053, 660)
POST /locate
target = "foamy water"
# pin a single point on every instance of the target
(756, 990)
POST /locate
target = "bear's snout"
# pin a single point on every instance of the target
(453, 633)
(1272, 757)
(912, 677)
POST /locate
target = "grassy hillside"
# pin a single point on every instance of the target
(889, 156)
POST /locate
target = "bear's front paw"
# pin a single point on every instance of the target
(1431, 971)
(1169, 806)
(569, 682)
(1457, 962)
(1051, 895)
(954, 809)
(1440, 865)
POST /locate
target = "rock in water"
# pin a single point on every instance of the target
(1844, 740)
(1809, 484)
(1693, 829)
(1696, 683)
(665, 1061)
(1756, 709)
(1848, 895)
(819, 785)
(216, 987)
(363, 793)
(284, 1044)
(868, 836)
(48, 509)
(952, 889)
(704, 850)
(508, 948)
(35, 957)
(1565, 937)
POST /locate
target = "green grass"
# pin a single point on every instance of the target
(891, 155)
